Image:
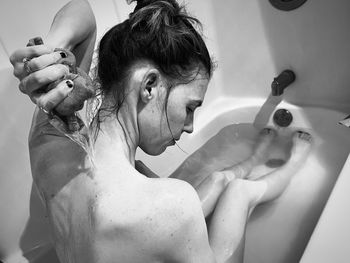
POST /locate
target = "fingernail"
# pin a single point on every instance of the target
(63, 55)
(70, 83)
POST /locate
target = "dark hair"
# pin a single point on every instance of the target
(158, 31)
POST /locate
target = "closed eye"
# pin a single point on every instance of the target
(193, 105)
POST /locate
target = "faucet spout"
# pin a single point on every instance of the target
(281, 82)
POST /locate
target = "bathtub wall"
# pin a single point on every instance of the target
(253, 42)
(258, 41)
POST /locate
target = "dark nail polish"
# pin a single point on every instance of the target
(63, 55)
(69, 83)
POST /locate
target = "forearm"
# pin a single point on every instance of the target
(228, 223)
(72, 24)
(143, 169)
(74, 28)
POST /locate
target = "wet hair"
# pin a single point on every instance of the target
(159, 31)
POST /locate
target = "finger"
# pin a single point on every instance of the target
(29, 53)
(17, 59)
(45, 60)
(51, 99)
(142, 168)
(35, 41)
(43, 77)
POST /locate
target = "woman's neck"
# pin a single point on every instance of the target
(116, 141)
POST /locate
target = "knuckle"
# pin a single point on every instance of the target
(16, 56)
(37, 78)
(56, 56)
(33, 99)
(33, 51)
(40, 101)
(43, 77)
(53, 73)
(22, 87)
(63, 69)
(16, 72)
(34, 64)
(13, 58)
(61, 93)
(48, 105)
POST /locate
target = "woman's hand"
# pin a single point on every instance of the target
(74, 29)
(143, 169)
(36, 68)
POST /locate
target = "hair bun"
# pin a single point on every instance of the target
(142, 3)
(156, 4)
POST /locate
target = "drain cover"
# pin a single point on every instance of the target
(287, 5)
(282, 117)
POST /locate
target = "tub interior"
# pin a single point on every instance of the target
(277, 231)
(331, 238)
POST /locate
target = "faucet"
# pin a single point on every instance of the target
(281, 82)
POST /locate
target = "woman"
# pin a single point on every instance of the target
(153, 71)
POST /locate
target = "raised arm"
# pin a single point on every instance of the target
(51, 153)
(74, 28)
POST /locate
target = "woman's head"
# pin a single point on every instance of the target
(161, 35)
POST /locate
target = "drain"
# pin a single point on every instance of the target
(274, 163)
(283, 118)
(287, 5)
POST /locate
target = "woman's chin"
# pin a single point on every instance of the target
(154, 151)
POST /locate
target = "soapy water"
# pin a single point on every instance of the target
(80, 136)
(231, 145)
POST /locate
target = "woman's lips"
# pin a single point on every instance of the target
(173, 141)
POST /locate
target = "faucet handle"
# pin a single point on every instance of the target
(281, 82)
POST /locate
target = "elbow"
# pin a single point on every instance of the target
(85, 5)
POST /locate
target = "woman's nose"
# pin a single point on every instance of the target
(188, 127)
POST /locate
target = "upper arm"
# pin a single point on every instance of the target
(54, 158)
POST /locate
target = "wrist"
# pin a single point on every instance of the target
(72, 25)
(57, 41)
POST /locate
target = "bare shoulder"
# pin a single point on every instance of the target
(161, 221)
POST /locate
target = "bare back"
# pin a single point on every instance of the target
(102, 219)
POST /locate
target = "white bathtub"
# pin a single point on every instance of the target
(278, 231)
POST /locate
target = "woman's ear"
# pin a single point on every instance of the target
(149, 84)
